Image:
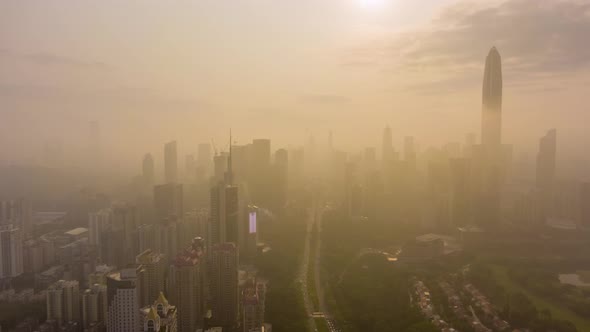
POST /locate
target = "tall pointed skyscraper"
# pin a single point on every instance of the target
(224, 208)
(491, 121)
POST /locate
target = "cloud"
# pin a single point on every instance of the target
(49, 59)
(537, 39)
(324, 99)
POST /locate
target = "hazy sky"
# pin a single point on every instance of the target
(152, 71)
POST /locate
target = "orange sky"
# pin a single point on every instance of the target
(152, 71)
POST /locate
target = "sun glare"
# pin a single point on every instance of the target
(371, 4)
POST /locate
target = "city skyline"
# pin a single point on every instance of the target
(302, 166)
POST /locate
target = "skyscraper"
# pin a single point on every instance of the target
(261, 153)
(187, 286)
(190, 167)
(224, 208)
(63, 302)
(253, 305)
(220, 162)
(98, 223)
(490, 158)
(259, 182)
(170, 162)
(154, 271)
(11, 251)
(224, 214)
(123, 293)
(491, 125)
(148, 170)
(546, 161)
(168, 201)
(224, 285)
(204, 157)
(282, 172)
(17, 212)
(94, 305)
(387, 145)
(125, 221)
(410, 152)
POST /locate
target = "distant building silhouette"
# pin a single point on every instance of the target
(387, 152)
(170, 162)
(546, 161)
(410, 152)
(168, 201)
(94, 148)
(282, 172)
(148, 170)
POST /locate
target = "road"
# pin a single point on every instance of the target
(317, 216)
(305, 268)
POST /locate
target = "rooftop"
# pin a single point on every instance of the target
(48, 217)
(77, 231)
(188, 257)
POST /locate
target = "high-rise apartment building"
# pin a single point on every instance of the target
(154, 266)
(187, 286)
(224, 285)
(11, 251)
(253, 305)
(98, 223)
(94, 306)
(63, 302)
(18, 212)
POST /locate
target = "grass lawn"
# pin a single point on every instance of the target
(557, 311)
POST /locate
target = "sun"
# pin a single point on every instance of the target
(371, 4)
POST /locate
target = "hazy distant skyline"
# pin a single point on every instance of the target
(154, 71)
